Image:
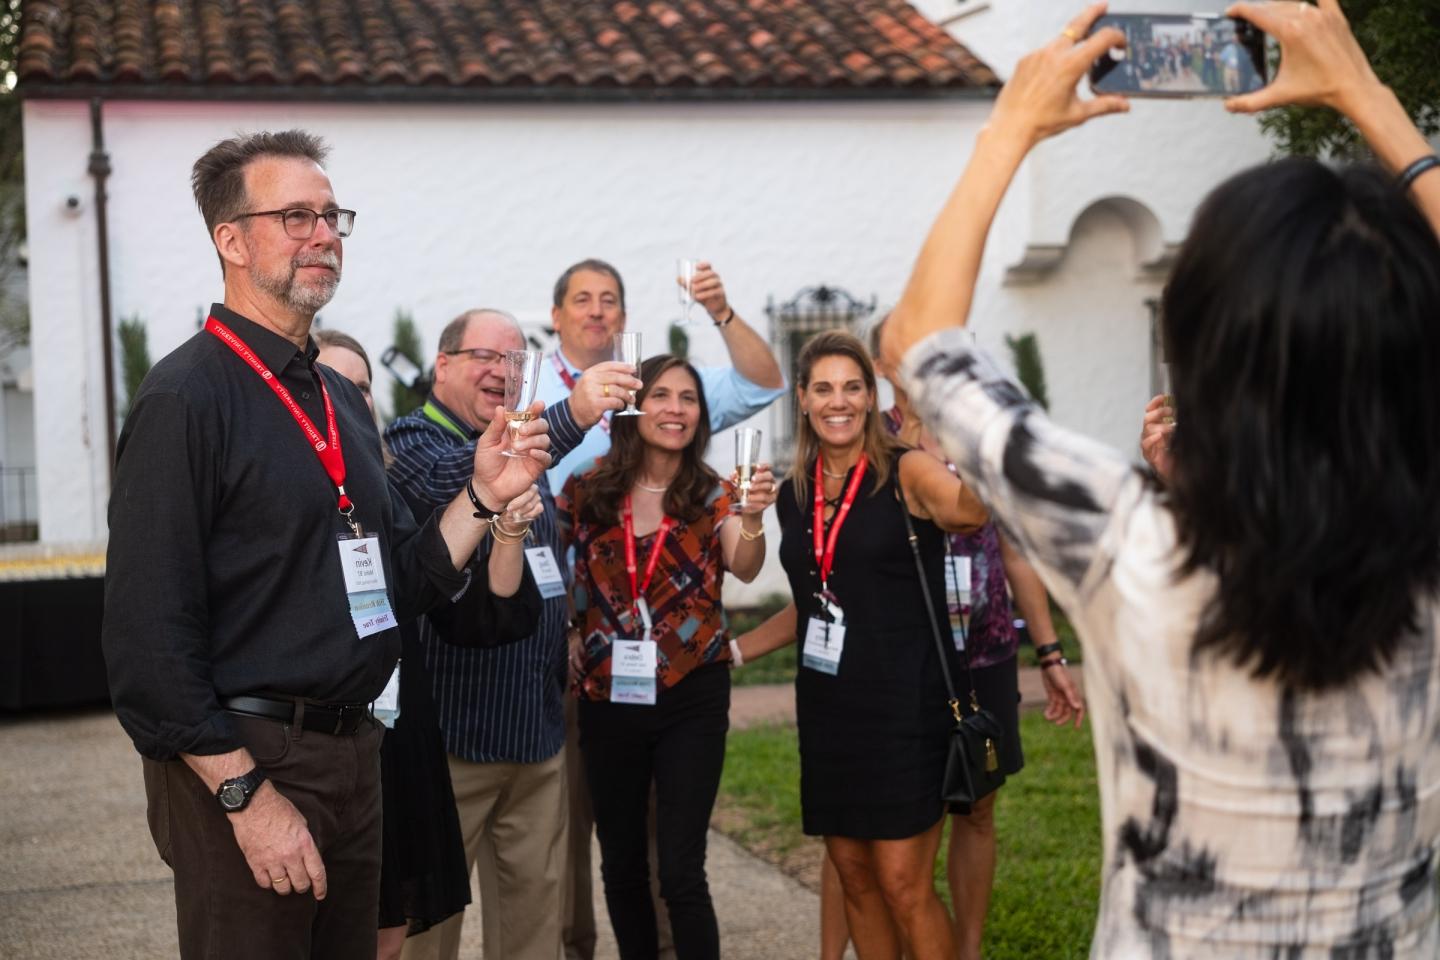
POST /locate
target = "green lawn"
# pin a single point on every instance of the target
(1048, 881)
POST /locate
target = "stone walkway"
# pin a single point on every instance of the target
(80, 879)
(79, 876)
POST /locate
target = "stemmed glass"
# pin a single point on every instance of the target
(685, 274)
(522, 379)
(747, 458)
(627, 351)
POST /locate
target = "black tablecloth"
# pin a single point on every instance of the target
(50, 643)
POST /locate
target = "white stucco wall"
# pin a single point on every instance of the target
(462, 206)
(469, 205)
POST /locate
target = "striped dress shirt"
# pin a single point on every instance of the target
(505, 704)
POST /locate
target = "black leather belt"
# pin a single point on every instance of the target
(334, 718)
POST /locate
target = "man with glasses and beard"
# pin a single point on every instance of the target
(258, 565)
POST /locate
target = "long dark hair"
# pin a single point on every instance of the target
(1303, 323)
(616, 472)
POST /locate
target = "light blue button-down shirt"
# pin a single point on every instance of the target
(731, 397)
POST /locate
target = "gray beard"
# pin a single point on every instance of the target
(303, 299)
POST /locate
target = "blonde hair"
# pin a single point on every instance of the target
(879, 446)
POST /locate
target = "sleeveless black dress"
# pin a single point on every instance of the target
(873, 737)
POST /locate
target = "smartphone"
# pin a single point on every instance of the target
(1187, 55)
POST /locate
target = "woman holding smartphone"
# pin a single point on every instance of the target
(654, 534)
(1262, 637)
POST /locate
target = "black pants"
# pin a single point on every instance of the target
(680, 744)
(222, 914)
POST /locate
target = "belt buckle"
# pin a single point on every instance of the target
(339, 720)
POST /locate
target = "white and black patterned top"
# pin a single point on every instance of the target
(1240, 819)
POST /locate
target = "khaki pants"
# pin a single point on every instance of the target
(513, 819)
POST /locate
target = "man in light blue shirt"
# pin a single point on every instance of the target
(589, 309)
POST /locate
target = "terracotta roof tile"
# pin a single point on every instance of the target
(229, 46)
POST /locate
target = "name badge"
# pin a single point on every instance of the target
(546, 571)
(387, 706)
(632, 672)
(824, 643)
(957, 593)
(364, 572)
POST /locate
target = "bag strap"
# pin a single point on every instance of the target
(934, 621)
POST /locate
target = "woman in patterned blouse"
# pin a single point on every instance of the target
(654, 533)
(1262, 636)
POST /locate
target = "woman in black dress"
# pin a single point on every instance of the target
(871, 704)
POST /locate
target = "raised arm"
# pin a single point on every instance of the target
(742, 537)
(1322, 65)
(750, 355)
(1039, 101)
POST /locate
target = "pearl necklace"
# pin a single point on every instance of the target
(651, 489)
(834, 476)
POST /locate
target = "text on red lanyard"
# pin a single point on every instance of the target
(825, 547)
(637, 587)
(327, 448)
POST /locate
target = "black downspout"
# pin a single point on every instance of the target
(100, 170)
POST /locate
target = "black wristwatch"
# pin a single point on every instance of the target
(234, 794)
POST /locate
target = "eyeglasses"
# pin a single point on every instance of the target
(300, 222)
(478, 354)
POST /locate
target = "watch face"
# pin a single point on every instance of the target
(232, 796)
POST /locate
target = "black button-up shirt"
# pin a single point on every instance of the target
(223, 574)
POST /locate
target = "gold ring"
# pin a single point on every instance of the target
(1071, 34)
(605, 390)
(279, 880)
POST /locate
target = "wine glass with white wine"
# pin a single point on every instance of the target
(747, 458)
(685, 279)
(522, 379)
(627, 351)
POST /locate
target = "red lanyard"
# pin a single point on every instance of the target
(568, 378)
(637, 589)
(825, 549)
(327, 448)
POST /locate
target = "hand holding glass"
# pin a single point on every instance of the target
(747, 458)
(627, 351)
(522, 378)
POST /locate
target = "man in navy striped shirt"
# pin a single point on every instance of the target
(501, 710)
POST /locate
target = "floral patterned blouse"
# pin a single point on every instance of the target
(690, 629)
(992, 635)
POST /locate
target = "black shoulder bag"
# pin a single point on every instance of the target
(972, 768)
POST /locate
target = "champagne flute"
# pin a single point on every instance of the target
(522, 378)
(747, 458)
(685, 273)
(627, 351)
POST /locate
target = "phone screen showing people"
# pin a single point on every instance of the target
(1181, 56)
